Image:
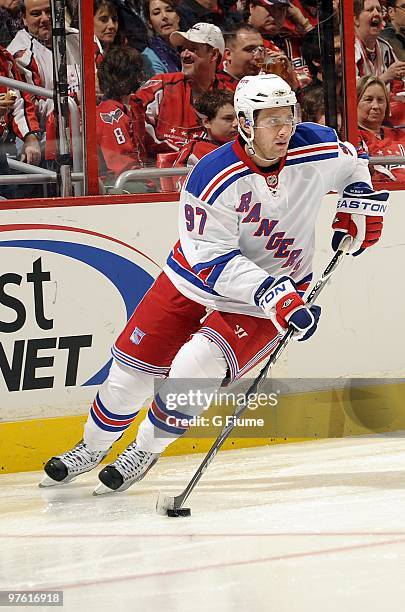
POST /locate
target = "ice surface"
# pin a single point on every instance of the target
(290, 528)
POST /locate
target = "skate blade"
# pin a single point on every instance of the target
(164, 503)
(50, 482)
(101, 489)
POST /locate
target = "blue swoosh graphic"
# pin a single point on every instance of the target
(130, 279)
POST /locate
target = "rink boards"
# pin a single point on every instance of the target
(71, 276)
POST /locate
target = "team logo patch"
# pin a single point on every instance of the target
(112, 116)
(345, 149)
(272, 180)
(137, 336)
(287, 303)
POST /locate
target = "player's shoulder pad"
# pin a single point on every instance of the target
(312, 133)
(215, 172)
(312, 143)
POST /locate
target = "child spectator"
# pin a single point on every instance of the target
(120, 118)
(219, 122)
(372, 111)
(313, 106)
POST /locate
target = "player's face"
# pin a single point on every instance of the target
(197, 59)
(272, 132)
(105, 25)
(239, 56)
(268, 18)
(224, 126)
(163, 18)
(370, 21)
(372, 107)
(37, 18)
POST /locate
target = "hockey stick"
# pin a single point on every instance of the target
(173, 506)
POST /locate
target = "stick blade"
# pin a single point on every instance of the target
(164, 503)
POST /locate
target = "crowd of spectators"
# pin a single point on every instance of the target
(167, 70)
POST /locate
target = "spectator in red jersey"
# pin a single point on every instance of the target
(302, 17)
(17, 119)
(120, 118)
(18, 112)
(372, 111)
(32, 50)
(168, 98)
(220, 126)
(240, 43)
(163, 18)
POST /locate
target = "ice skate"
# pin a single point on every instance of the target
(64, 468)
(131, 466)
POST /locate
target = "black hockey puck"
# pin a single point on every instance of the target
(179, 512)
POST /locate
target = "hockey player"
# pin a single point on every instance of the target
(233, 282)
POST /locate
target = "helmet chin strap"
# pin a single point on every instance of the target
(252, 152)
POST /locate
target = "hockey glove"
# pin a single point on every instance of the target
(282, 304)
(360, 214)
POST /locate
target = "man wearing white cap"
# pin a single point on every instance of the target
(171, 119)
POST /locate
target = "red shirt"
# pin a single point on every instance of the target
(22, 119)
(390, 141)
(171, 119)
(191, 153)
(226, 80)
(121, 135)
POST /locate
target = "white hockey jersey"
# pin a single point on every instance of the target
(238, 225)
(36, 63)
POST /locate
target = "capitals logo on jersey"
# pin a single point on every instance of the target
(112, 116)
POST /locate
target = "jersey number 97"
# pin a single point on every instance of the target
(191, 220)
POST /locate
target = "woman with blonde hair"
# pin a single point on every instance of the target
(373, 111)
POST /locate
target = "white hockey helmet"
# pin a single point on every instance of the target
(254, 93)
